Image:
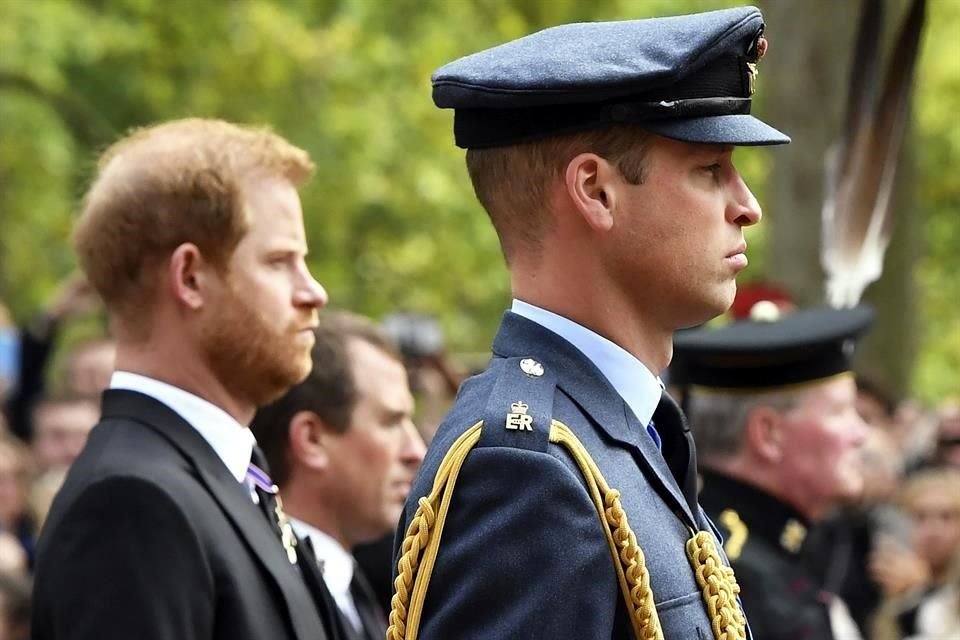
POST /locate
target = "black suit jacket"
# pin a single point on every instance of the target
(152, 538)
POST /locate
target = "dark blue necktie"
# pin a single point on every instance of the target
(652, 430)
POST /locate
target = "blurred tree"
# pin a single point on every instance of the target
(391, 218)
(817, 56)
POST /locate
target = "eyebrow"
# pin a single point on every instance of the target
(699, 150)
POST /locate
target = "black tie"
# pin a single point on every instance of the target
(372, 618)
(326, 605)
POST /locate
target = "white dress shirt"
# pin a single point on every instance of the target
(337, 566)
(231, 441)
(639, 388)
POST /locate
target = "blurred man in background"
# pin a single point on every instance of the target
(772, 405)
(344, 450)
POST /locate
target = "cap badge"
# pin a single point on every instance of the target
(756, 51)
(531, 367)
(518, 419)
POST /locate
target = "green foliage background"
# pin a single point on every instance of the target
(391, 218)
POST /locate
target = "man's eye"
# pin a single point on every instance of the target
(713, 168)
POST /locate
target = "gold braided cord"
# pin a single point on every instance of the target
(423, 535)
(628, 558)
(410, 585)
(719, 587)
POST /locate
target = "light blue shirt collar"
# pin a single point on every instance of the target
(639, 388)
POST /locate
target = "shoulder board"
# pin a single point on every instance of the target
(520, 407)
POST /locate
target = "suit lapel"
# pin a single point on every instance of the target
(583, 382)
(232, 496)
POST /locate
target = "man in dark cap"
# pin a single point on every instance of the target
(773, 409)
(558, 498)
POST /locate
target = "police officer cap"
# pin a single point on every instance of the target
(755, 355)
(690, 78)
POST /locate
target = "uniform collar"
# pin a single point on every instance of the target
(763, 515)
(636, 384)
(230, 440)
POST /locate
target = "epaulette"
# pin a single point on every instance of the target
(520, 407)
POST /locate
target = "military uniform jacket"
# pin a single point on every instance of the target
(764, 538)
(523, 553)
(152, 538)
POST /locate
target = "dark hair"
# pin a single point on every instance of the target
(329, 391)
(512, 182)
(872, 387)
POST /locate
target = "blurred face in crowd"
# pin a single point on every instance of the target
(684, 223)
(60, 431)
(374, 461)
(257, 334)
(821, 439)
(90, 366)
(936, 519)
(13, 478)
(873, 411)
(881, 465)
(948, 434)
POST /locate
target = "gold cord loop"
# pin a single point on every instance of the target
(719, 585)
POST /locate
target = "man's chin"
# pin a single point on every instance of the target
(275, 387)
(706, 311)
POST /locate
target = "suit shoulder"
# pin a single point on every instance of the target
(118, 447)
(125, 468)
(109, 503)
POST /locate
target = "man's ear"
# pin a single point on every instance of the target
(764, 435)
(592, 183)
(187, 272)
(309, 440)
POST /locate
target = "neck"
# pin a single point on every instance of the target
(175, 364)
(587, 298)
(301, 500)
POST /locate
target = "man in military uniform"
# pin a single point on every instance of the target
(773, 409)
(558, 498)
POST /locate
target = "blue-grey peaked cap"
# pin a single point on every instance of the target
(690, 78)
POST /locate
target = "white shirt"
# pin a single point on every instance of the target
(230, 440)
(639, 388)
(337, 567)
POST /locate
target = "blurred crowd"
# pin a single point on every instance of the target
(892, 557)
